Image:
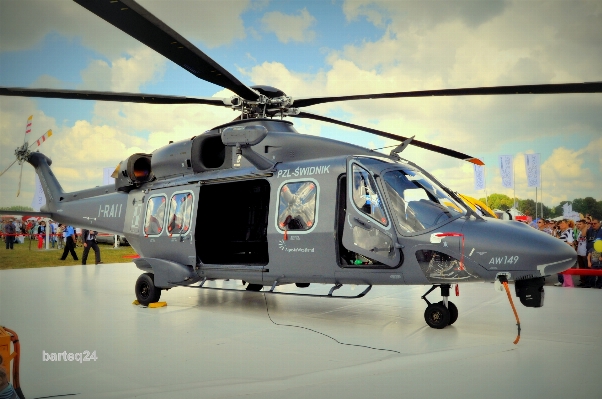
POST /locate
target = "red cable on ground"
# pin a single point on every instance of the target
(514, 310)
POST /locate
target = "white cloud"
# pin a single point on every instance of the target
(124, 74)
(295, 28)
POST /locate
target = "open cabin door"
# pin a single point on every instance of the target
(368, 229)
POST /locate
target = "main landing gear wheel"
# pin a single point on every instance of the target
(437, 315)
(441, 314)
(146, 292)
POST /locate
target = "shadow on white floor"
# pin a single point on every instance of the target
(212, 344)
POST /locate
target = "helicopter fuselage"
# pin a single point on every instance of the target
(324, 212)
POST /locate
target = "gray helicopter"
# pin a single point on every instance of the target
(291, 208)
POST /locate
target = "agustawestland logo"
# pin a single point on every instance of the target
(283, 247)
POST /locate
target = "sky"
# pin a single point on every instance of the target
(317, 48)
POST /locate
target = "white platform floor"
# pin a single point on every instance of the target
(212, 344)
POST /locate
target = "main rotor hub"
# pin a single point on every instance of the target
(22, 153)
(271, 102)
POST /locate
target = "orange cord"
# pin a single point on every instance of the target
(16, 360)
(514, 310)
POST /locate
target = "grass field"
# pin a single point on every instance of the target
(29, 256)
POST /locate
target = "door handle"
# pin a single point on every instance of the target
(389, 250)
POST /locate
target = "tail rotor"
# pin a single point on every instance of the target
(22, 153)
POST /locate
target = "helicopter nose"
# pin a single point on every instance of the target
(515, 247)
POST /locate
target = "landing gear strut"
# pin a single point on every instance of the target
(441, 314)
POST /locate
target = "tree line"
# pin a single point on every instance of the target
(587, 205)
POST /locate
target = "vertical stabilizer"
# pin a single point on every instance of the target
(52, 188)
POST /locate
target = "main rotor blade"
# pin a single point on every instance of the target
(417, 143)
(556, 88)
(139, 23)
(109, 96)
(9, 166)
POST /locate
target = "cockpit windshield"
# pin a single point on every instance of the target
(417, 202)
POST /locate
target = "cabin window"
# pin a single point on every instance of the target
(297, 206)
(365, 195)
(155, 215)
(180, 213)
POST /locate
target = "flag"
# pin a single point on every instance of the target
(533, 170)
(106, 176)
(39, 199)
(479, 177)
(507, 170)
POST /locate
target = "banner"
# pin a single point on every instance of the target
(533, 170)
(507, 170)
(39, 199)
(479, 177)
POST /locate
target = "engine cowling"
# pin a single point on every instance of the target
(133, 172)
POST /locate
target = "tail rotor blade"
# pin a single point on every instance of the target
(9, 166)
(20, 176)
(27, 128)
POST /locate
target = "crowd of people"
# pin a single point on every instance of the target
(581, 236)
(58, 235)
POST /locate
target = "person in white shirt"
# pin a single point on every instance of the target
(566, 235)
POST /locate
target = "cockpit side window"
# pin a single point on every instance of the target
(416, 202)
(180, 213)
(365, 195)
(155, 215)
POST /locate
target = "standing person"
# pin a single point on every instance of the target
(89, 238)
(541, 226)
(19, 238)
(594, 260)
(572, 226)
(582, 263)
(53, 227)
(41, 234)
(592, 232)
(566, 235)
(69, 243)
(60, 230)
(28, 228)
(9, 234)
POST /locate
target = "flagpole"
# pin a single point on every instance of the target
(541, 182)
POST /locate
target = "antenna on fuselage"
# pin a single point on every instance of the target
(397, 150)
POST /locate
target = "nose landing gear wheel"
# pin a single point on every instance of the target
(437, 315)
(441, 314)
(453, 312)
